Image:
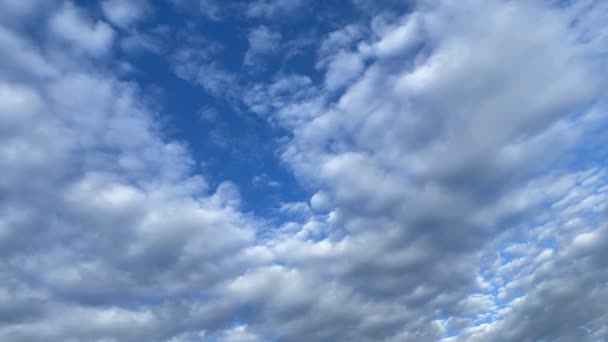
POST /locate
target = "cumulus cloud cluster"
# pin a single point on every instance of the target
(446, 148)
(105, 232)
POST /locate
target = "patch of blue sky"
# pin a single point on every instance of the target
(226, 142)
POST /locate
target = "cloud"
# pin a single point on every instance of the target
(73, 26)
(22, 59)
(124, 13)
(265, 180)
(209, 114)
(14, 12)
(262, 42)
(105, 230)
(453, 193)
(273, 8)
(289, 99)
(195, 65)
(215, 79)
(561, 283)
(342, 70)
(428, 155)
(209, 9)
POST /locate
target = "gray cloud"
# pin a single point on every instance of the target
(430, 154)
(105, 233)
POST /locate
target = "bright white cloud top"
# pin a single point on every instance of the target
(424, 170)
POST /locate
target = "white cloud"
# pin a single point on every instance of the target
(102, 216)
(73, 26)
(125, 13)
(429, 153)
(342, 70)
(262, 42)
(239, 334)
(446, 194)
(264, 180)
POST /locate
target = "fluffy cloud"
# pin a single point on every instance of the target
(104, 230)
(432, 152)
(448, 148)
(72, 25)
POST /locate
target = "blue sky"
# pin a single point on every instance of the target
(299, 170)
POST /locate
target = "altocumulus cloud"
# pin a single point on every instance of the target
(440, 171)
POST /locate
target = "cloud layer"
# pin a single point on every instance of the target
(453, 156)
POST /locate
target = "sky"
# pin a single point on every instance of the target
(302, 170)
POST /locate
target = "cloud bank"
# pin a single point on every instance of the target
(452, 156)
